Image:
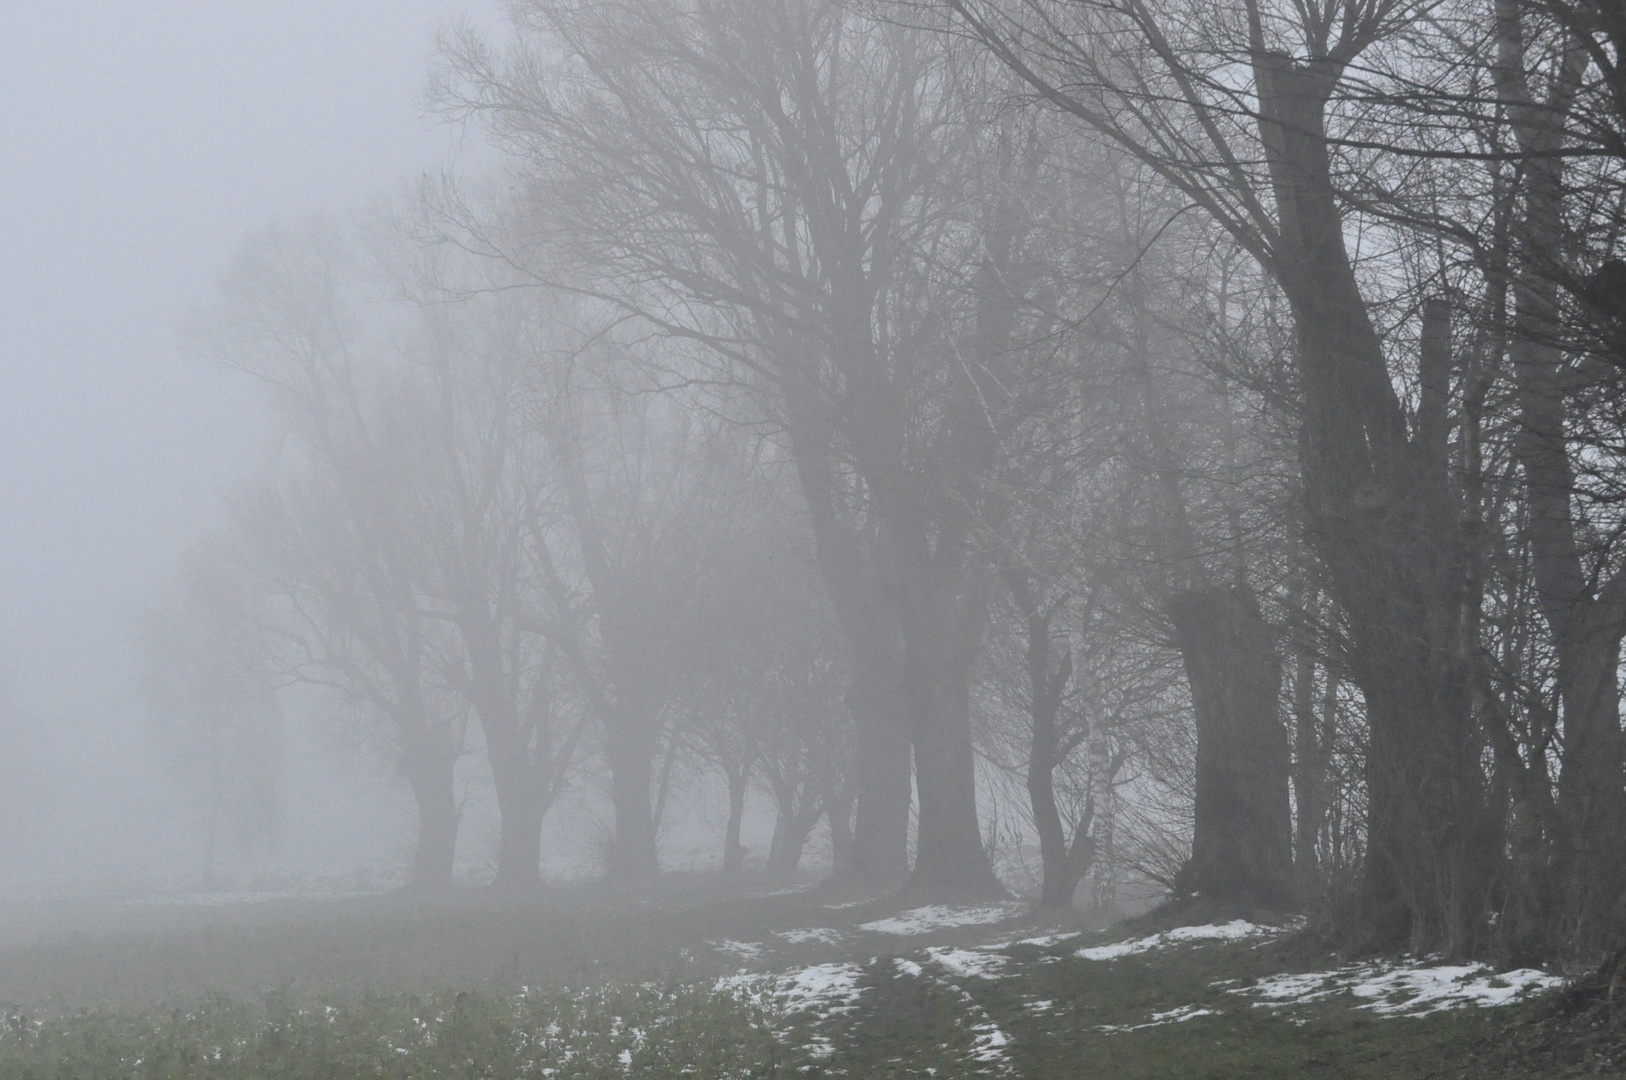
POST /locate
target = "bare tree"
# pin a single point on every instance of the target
(335, 543)
(1213, 101)
(773, 182)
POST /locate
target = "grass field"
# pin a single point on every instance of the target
(693, 981)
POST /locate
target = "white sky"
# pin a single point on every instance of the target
(140, 141)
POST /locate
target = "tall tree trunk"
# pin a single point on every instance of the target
(865, 603)
(942, 638)
(522, 804)
(1385, 526)
(877, 855)
(1241, 850)
(1586, 625)
(633, 855)
(1063, 865)
(517, 776)
(837, 801)
(429, 774)
(791, 828)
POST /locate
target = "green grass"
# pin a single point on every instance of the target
(592, 984)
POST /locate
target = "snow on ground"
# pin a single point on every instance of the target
(746, 950)
(1236, 930)
(821, 935)
(968, 964)
(1038, 942)
(988, 1042)
(1173, 1016)
(1412, 988)
(924, 920)
(851, 904)
(823, 989)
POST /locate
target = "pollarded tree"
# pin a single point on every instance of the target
(335, 543)
(478, 498)
(1235, 107)
(645, 491)
(817, 198)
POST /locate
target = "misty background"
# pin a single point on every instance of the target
(142, 144)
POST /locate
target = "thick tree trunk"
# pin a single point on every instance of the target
(430, 778)
(1241, 850)
(875, 856)
(1242, 854)
(522, 803)
(633, 856)
(878, 854)
(836, 799)
(941, 643)
(522, 798)
(790, 832)
(1386, 529)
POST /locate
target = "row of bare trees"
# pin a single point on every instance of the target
(1193, 424)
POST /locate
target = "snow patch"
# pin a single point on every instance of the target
(1411, 988)
(968, 964)
(746, 950)
(924, 920)
(825, 989)
(1038, 942)
(1173, 1016)
(828, 989)
(821, 935)
(1235, 930)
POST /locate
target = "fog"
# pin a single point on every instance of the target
(976, 452)
(762, 537)
(142, 144)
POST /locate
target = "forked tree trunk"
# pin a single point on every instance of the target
(1385, 526)
(791, 828)
(1063, 864)
(1241, 849)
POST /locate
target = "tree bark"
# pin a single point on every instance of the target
(633, 855)
(877, 853)
(791, 828)
(1384, 523)
(429, 774)
(942, 639)
(1587, 621)
(1241, 849)
(1310, 759)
